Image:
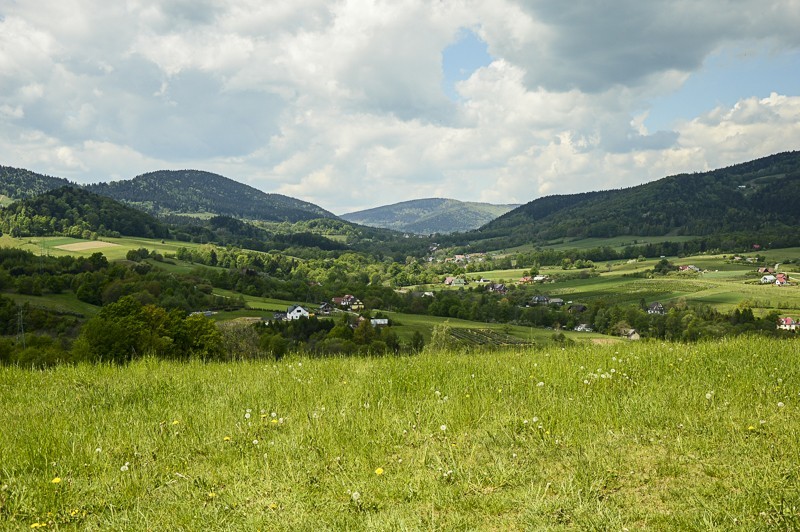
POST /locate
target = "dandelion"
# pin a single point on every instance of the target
(709, 395)
(226, 438)
(247, 415)
(98, 450)
(356, 496)
(379, 471)
(38, 525)
(56, 480)
(540, 384)
(780, 405)
(751, 427)
(176, 422)
(255, 442)
(125, 467)
(274, 421)
(211, 494)
(274, 414)
(443, 428)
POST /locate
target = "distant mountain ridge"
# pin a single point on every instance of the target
(759, 197)
(18, 183)
(167, 192)
(196, 191)
(430, 215)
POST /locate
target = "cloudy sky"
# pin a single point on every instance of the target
(357, 103)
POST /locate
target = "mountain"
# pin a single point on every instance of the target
(428, 216)
(73, 211)
(757, 198)
(195, 192)
(17, 183)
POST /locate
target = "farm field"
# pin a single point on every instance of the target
(637, 436)
(618, 242)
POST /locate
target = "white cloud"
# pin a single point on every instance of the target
(342, 103)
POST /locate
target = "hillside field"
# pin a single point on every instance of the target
(637, 436)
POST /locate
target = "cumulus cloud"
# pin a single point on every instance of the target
(343, 104)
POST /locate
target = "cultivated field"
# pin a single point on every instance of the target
(637, 436)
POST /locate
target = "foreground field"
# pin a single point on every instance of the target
(638, 436)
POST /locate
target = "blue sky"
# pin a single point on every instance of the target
(726, 76)
(352, 104)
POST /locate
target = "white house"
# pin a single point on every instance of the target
(768, 279)
(296, 312)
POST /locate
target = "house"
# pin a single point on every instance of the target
(540, 300)
(540, 278)
(526, 280)
(296, 312)
(781, 279)
(583, 327)
(768, 279)
(448, 281)
(379, 322)
(556, 301)
(788, 324)
(656, 308)
(279, 316)
(577, 308)
(766, 270)
(348, 301)
(459, 281)
(325, 308)
(630, 334)
(498, 288)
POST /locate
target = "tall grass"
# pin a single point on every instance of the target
(637, 435)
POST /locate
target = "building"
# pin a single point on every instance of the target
(296, 312)
(656, 308)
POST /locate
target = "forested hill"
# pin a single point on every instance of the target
(18, 183)
(428, 216)
(198, 192)
(76, 212)
(759, 197)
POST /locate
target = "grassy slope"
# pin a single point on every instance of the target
(462, 441)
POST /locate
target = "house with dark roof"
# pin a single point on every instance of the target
(656, 308)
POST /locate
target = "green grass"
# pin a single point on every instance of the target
(617, 242)
(663, 437)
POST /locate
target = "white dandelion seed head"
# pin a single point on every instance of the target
(443, 428)
(356, 496)
(780, 405)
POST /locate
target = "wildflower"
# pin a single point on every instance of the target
(247, 415)
(56, 480)
(125, 467)
(356, 496)
(255, 442)
(751, 427)
(38, 525)
(443, 428)
(540, 384)
(709, 395)
(274, 421)
(780, 405)
(211, 494)
(379, 471)
(176, 422)
(98, 450)
(226, 438)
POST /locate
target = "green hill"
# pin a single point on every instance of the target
(72, 211)
(428, 216)
(18, 183)
(197, 192)
(756, 198)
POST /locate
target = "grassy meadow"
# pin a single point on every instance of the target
(637, 436)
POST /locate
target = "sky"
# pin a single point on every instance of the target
(354, 104)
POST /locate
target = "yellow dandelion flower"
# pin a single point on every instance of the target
(226, 438)
(56, 480)
(274, 421)
(38, 525)
(751, 427)
(379, 471)
(176, 422)
(211, 494)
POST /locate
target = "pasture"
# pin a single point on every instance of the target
(636, 436)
